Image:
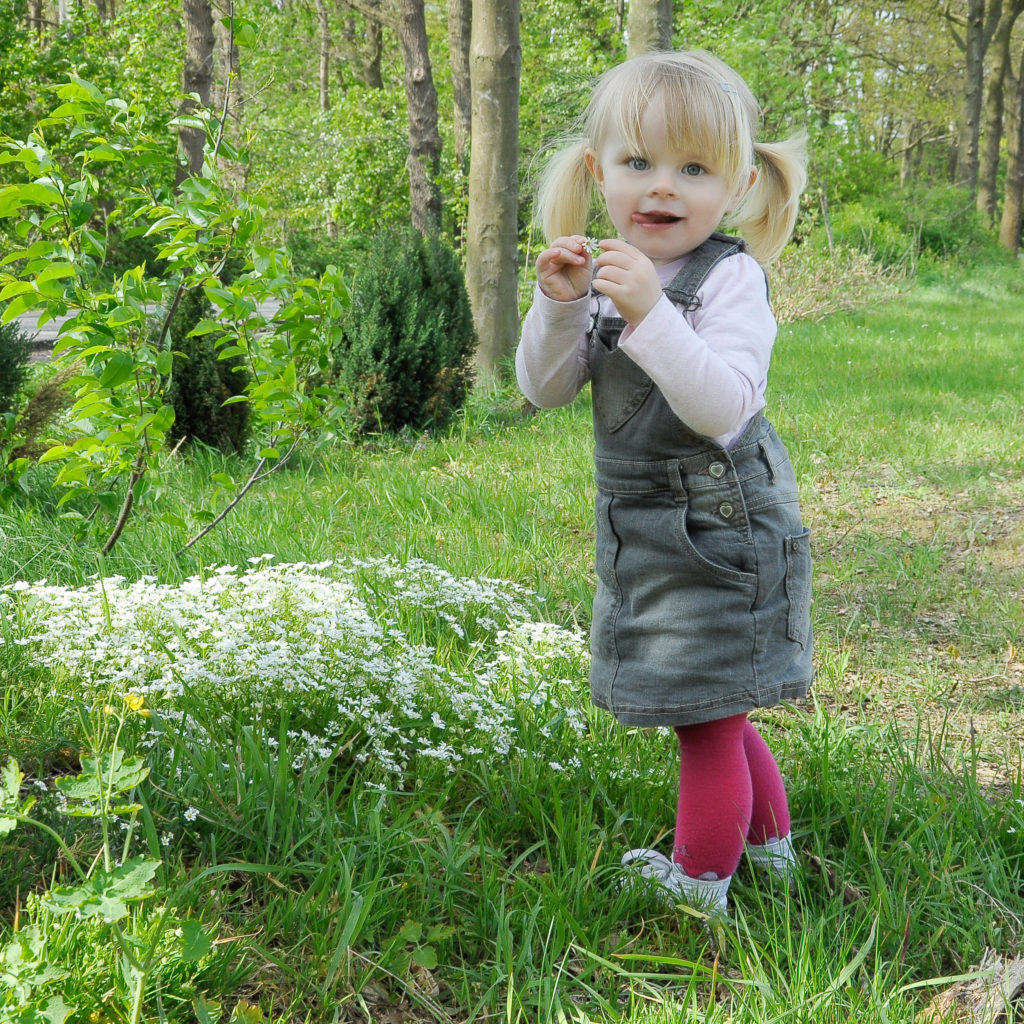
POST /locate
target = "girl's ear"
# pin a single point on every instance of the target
(594, 166)
(743, 190)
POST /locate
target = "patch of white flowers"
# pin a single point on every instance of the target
(394, 662)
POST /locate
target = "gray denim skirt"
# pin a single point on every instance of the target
(703, 601)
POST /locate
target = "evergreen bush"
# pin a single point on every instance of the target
(201, 382)
(15, 350)
(407, 343)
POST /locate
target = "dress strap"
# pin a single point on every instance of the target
(683, 288)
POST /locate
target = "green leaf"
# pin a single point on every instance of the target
(207, 1011)
(14, 197)
(195, 943)
(425, 957)
(165, 362)
(53, 1011)
(121, 315)
(80, 213)
(10, 789)
(245, 32)
(106, 894)
(105, 775)
(118, 369)
(54, 271)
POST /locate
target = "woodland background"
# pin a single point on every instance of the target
(236, 786)
(914, 109)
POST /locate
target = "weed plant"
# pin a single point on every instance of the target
(374, 788)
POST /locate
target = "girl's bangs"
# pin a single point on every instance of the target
(706, 116)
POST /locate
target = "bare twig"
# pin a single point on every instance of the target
(254, 478)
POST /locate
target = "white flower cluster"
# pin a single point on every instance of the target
(349, 653)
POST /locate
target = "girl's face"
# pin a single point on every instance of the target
(663, 200)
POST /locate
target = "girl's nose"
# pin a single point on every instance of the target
(663, 184)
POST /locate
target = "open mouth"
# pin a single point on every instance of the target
(655, 217)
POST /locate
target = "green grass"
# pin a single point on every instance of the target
(487, 888)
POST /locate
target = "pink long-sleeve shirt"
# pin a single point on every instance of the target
(711, 363)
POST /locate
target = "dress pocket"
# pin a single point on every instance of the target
(798, 586)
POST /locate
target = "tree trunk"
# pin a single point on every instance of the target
(460, 24)
(970, 118)
(424, 140)
(648, 26)
(491, 273)
(372, 74)
(325, 54)
(1013, 195)
(992, 114)
(197, 77)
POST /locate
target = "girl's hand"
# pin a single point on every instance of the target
(628, 278)
(564, 270)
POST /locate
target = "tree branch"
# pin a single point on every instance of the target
(386, 15)
(254, 478)
(126, 507)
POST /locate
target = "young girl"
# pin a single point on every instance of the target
(702, 610)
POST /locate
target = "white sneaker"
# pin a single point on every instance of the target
(669, 879)
(777, 856)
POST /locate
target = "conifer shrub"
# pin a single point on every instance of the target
(201, 382)
(404, 359)
(15, 350)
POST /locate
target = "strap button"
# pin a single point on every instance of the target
(726, 510)
(717, 470)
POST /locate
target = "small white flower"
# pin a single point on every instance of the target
(191, 814)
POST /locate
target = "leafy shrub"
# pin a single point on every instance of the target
(15, 349)
(934, 222)
(404, 358)
(201, 382)
(861, 228)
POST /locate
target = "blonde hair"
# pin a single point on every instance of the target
(711, 110)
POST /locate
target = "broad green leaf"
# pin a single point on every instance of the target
(18, 306)
(245, 32)
(207, 1011)
(53, 1011)
(118, 369)
(105, 775)
(14, 197)
(124, 315)
(425, 957)
(55, 271)
(105, 895)
(195, 943)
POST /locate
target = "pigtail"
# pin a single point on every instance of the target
(563, 199)
(766, 214)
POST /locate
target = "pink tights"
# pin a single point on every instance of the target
(730, 790)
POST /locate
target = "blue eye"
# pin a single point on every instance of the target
(637, 163)
(693, 170)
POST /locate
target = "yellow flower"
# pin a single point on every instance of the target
(136, 703)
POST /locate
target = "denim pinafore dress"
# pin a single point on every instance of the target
(702, 607)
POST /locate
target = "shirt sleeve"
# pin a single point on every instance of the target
(711, 364)
(552, 360)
